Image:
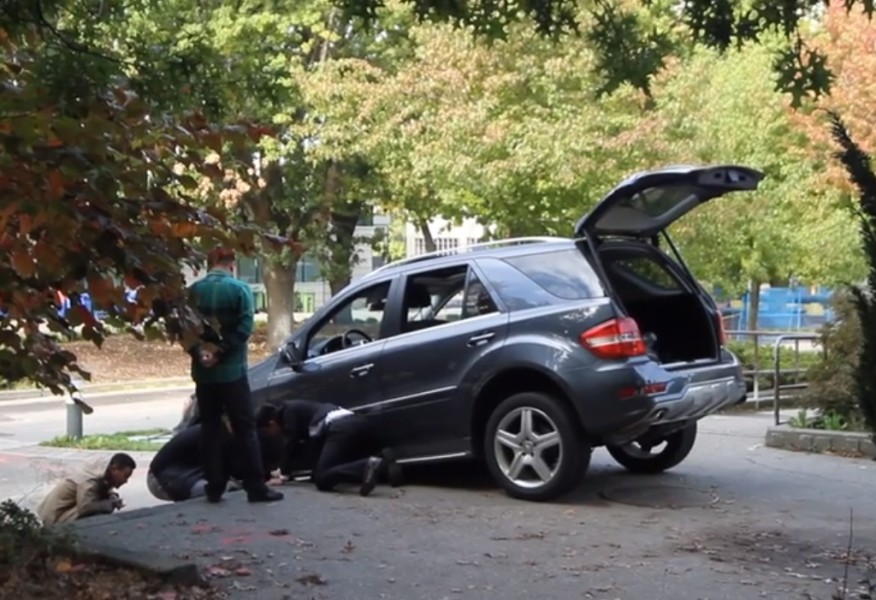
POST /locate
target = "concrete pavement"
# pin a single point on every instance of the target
(27, 470)
(735, 521)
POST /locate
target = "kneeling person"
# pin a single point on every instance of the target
(347, 443)
(176, 473)
(91, 490)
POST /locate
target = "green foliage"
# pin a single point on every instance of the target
(800, 70)
(115, 441)
(860, 170)
(792, 369)
(23, 540)
(832, 384)
(719, 109)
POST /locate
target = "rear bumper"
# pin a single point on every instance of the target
(692, 393)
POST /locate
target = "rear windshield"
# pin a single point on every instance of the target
(542, 279)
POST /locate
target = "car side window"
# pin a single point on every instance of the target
(477, 301)
(362, 313)
(442, 296)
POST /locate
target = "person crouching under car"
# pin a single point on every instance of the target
(176, 473)
(346, 444)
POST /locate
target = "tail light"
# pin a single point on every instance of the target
(722, 333)
(617, 338)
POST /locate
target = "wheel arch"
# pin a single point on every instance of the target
(506, 383)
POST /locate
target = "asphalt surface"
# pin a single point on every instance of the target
(736, 521)
(27, 470)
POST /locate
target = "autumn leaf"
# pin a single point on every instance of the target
(23, 264)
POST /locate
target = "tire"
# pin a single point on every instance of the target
(637, 460)
(562, 461)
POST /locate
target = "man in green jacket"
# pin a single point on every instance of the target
(219, 365)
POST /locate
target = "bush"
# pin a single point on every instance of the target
(745, 351)
(832, 386)
(23, 540)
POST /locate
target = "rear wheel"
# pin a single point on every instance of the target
(662, 455)
(534, 448)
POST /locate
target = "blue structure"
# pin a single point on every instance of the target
(785, 308)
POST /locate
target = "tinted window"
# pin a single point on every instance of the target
(565, 274)
(648, 270)
(515, 290)
(477, 300)
(659, 200)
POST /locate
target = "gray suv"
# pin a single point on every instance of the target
(528, 353)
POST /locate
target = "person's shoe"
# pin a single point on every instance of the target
(393, 469)
(214, 498)
(265, 495)
(369, 482)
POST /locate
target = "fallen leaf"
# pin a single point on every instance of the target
(279, 532)
(311, 579)
(218, 572)
(348, 547)
(242, 572)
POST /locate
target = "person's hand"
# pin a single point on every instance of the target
(116, 501)
(278, 480)
(207, 358)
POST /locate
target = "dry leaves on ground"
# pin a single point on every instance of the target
(66, 579)
(124, 358)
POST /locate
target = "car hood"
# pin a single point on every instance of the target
(648, 202)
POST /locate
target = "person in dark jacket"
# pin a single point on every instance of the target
(176, 473)
(347, 447)
(219, 370)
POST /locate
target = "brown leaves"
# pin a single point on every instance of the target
(90, 199)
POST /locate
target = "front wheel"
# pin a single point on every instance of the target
(533, 447)
(659, 457)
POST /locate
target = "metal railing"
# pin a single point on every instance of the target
(763, 340)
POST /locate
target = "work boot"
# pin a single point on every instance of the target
(393, 470)
(264, 495)
(369, 481)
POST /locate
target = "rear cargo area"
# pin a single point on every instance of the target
(676, 325)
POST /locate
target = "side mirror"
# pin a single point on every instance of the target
(291, 356)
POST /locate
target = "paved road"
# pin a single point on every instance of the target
(26, 469)
(736, 521)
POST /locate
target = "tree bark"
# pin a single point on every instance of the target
(753, 304)
(280, 290)
(428, 240)
(343, 248)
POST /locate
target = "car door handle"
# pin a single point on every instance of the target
(480, 339)
(362, 370)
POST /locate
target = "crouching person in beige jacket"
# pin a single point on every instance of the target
(89, 491)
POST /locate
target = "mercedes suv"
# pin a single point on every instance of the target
(528, 353)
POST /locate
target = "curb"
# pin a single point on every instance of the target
(170, 570)
(133, 393)
(101, 388)
(818, 441)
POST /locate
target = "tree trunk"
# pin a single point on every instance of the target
(428, 240)
(280, 290)
(343, 248)
(753, 304)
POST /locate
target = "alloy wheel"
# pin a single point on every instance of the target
(528, 447)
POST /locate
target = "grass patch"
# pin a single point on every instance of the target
(115, 441)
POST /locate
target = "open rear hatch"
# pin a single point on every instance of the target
(660, 293)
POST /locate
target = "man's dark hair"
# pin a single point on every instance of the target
(265, 414)
(122, 461)
(220, 255)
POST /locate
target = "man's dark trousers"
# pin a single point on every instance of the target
(348, 444)
(234, 399)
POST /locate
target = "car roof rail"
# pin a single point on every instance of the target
(470, 248)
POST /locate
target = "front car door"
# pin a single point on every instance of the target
(339, 351)
(447, 323)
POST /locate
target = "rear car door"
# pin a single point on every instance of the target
(449, 327)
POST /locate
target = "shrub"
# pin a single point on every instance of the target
(832, 386)
(744, 350)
